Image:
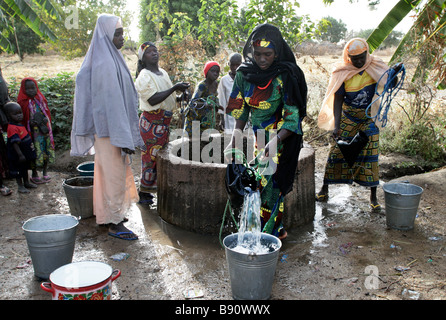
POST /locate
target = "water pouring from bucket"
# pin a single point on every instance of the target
(251, 254)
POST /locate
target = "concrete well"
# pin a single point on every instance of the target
(192, 194)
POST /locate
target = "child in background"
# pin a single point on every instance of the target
(20, 147)
(204, 104)
(225, 89)
(37, 120)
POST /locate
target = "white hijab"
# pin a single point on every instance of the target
(105, 99)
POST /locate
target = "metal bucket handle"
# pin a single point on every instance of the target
(397, 193)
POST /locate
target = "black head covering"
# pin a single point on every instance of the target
(285, 64)
(295, 88)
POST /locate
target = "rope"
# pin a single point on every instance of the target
(389, 92)
(227, 208)
(209, 101)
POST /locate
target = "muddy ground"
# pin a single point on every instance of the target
(324, 260)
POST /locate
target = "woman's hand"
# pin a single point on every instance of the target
(271, 146)
(181, 86)
(336, 133)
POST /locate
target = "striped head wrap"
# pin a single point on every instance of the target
(263, 43)
(143, 47)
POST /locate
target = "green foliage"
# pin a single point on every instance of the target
(217, 26)
(29, 12)
(75, 29)
(59, 91)
(156, 17)
(332, 30)
(24, 40)
(281, 13)
(426, 139)
(222, 23)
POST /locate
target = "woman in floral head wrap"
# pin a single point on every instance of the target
(350, 91)
(157, 101)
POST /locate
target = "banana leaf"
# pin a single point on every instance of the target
(391, 20)
(27, 13)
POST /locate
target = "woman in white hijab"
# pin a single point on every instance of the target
(105, 123)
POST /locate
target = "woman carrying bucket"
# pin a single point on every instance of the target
(106, 121)
(270, 88)
(350, 92)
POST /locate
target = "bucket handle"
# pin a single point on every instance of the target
(115, 274)
(46, 286)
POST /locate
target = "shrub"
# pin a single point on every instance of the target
(59, 91)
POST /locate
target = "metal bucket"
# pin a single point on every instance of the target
(86, 168)
(50, 240)
(252, 275)
(79, 193)
(402, 200)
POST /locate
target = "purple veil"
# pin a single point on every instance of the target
(105, 100)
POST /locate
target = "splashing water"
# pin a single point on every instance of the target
(249, 232)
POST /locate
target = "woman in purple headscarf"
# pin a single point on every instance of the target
(105, 123)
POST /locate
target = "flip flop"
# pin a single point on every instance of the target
(5, 191)
(322, 197)
(46, 179)
(119, 235)
(375, 208)
(145, 201)
(36, 180)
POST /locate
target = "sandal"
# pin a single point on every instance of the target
(322, 197)
(5, 191)
(46, 179)
(36, 180)
(375, 208)
(120, 235)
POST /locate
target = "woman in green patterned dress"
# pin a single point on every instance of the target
(270, 88)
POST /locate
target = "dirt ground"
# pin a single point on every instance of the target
(328, 259)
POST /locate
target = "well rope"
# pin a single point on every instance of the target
(389, 92)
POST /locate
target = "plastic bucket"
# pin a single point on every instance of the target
(252, 275)
(50, 240)
(402, 200)
(79, 193)
(86, 168)
(86, 280)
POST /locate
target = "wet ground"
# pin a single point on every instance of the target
(331, 258)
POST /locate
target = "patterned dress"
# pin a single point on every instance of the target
(154, 123)
(267, 110)
(43, 142)
(358, 93)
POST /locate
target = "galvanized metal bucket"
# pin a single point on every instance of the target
(252, 275)
(402, 201)
(79, 193)
(86, 168)
(50, 240)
